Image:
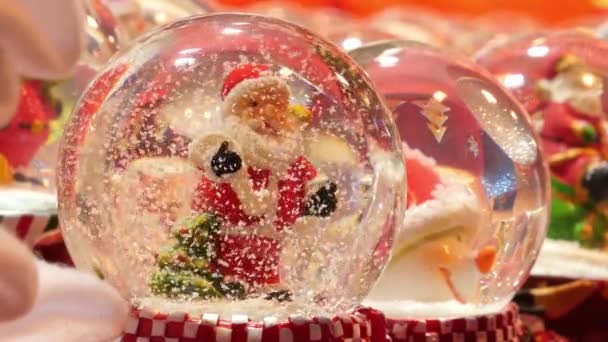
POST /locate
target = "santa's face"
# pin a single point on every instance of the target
(265, 108)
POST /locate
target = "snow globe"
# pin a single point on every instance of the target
(560, 79)
(477, 187)
(232, 165)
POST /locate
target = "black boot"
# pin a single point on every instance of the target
(323, 202)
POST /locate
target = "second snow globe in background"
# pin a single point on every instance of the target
(477, 187)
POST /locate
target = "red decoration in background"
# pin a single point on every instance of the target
(549, 12)
(28, 129)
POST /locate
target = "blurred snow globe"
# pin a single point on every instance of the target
(477, 186)
(560, 77)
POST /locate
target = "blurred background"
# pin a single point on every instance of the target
(548, 12)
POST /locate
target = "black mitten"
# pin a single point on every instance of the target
(225, 161)
(323, 202)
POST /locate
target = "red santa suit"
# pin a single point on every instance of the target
(265, 196)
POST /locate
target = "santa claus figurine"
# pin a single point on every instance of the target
(256, 178)
(571, 123)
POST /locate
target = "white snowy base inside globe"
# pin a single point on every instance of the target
(447, 309)
(569, 259)
(256, 309)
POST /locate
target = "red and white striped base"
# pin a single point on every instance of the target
(364, 325)
(149, 326)
(504, 326)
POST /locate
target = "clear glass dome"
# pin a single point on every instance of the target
(561, 78)
(477, 187)
(232, 164)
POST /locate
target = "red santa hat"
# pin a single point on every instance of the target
(241, 73)
(436, 194)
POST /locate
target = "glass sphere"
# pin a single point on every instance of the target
(560, 78)
(232, 164)
(477, 188)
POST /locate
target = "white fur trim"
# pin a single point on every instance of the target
(453, 205)
(414, 153)
(202, 149)
(263, 151)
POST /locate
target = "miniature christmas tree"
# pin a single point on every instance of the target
(184, 268)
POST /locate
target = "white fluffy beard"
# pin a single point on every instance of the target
(262, 151)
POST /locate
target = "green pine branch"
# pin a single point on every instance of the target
(183, 269)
